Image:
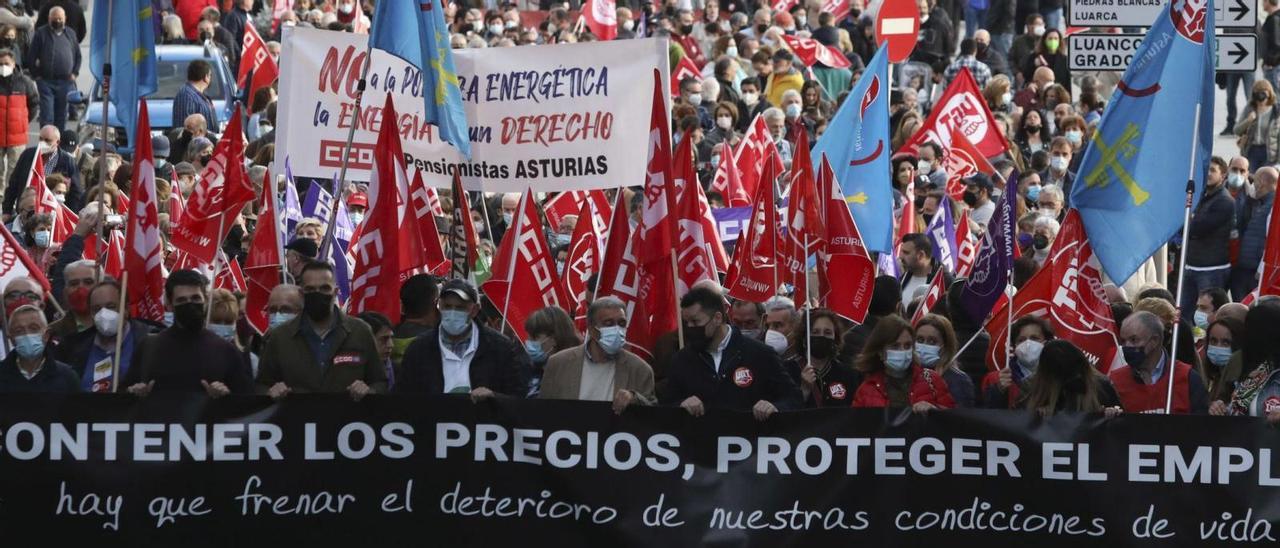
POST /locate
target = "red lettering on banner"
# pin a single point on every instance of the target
(361, 154)
(334, 72)
(545, 129)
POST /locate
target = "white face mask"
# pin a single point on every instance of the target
(724, 122)
(1028, 353)
(6, 70)
(776, 340)
(346, 9)
(628, 25)
(1058, 163)
(1006, 98)
(924, 167)
(1037, 30)
(106, 321)
(750, 99)
(695, 99)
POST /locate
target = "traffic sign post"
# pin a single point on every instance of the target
(898, 23)
(1141, 13)
(1089, 51)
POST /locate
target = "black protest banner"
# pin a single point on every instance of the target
(322, 471)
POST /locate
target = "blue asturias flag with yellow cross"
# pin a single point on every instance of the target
(1131, 185)
(133, 54)
(414, 30)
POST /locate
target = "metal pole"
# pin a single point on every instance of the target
(327, 240)
(1182, 263)
(102, 154)
(115, 358)
(511, 266)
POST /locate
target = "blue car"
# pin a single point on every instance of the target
(171, 71)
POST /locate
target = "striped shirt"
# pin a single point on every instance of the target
(190, 100)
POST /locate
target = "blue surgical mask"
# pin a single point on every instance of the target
(280, 318)
(793, 110)
(226, 331)
(1218, 355)
(929, 353)
(897, 361)
(611, 339)
(29, 346)
(1033, 193)
(41, 238)
(168, 317)
(534, 349)
(454, 322)
(563, 239)
(1202, 319)
(356, 218)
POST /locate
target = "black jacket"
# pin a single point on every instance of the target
(53, 56)
(749, 371)
(1269, 42)
(1000, 18)
(54, 377)
(937, 37)
(63, 163)
(177, 360)
(835, 387)
(499, 364)
(1211, 229)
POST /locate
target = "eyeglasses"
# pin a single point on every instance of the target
(19, 295)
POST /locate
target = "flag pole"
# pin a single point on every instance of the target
(327, 240)
(511, 268)
(115, 358)
(773, 235)
(1182, 262)
(808, 316)
(278, 219)
(675, 285)
(102, 155)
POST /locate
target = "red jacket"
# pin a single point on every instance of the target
(991, 392)
(872, 393)
(1189, 395)
(18, 103)
(189, 12)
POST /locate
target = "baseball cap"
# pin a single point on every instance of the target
(358, 199)
(160, 146)
(460, 289)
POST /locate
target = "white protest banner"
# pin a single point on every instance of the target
(554, 118)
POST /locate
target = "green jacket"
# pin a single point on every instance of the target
(287, 357)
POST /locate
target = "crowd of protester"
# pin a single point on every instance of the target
(760, 357)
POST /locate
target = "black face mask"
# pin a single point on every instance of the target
(686, 30)
(1033, 129)
(970, 199)
(855, 13)
(317, 305)
(919, 201)
(760, 29)
(1259, 96)
(696, 337)
(57, 25)
(189, 316)
(204, 158)
(1041, 242)
(981, 49)
(823, 347)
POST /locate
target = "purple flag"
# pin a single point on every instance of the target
(993, 268)
(317, 205)
(292, 209)
(942, 233)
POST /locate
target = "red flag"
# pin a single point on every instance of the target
(1269, 282)
(684, 69)
(222, 192)
(620, 277)
(463, 238)
(388, 244)
(961, 159)
(570, 203)
(64, 220)
(524, 270)
(1068, 292)
(810, 51)
(176, 206)
(420, 198)
(961, 108)
(699, 251)
(967, 244)
(263, 265)
(757, 149)
(727, 181)
(601, 16)
(839, 9)
(782, 5)
(114, 264)
(255, 57)
(843, 254)
(142, 235)
(585, 254)
(278, 10)
(227, 274)
(656, 231)
(753, 274)
(15, 263)
(937, 288)
(804, 222)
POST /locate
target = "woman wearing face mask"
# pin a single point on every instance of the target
(549, 330)
(222, 322)
(37, 238)
(904, 171)
(1003, 389)
(1050, 52)
(1065, 382)
(602, 369)
(999, 95)
(936, 347)
(726, 118)
(1032, 135)
(1257, 133)
(892, 376)
(825, 380)
(1223, 340)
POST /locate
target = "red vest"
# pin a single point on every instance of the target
(13, 119)
(1137, 397)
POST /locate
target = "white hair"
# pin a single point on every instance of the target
(1044, 221)
(1053, 190)
(82, 263)
(791, 93)
(775, 304)
(773, 113)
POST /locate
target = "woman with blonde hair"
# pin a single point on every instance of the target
(224, 314)
(1256, 132)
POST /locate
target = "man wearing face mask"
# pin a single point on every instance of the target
(988, 55)
(1209, 233)
(191, 99)
(747, 317)
(284, 304)
(691, 94)
(462, 356)
(718, 367)
(186, 357)
(752, 103)
(19, 102)
(72, 290)
(977, 195)
(357, 205)
(1060, 156)
(626, 24)
(601, 369)
(784, 77)
(91, 352)
(510, 201)
(1143, 382)
(322, 350)
(54, 60)
(930, 164)
(55, 161)
(30, 367)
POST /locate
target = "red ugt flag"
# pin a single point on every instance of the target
(524, 271)
(601, 16)
(961, 108)
(142, 258)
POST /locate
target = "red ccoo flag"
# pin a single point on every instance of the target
(570, 203)
(223, 190)
(843, 253)
(756, 150)
(620, 277)
(728, 182)
(753, 274)
(967, 245)
(686, 68)
(264, 264)
(585, 254)
(255, 57)
(143, 257)
(694, 255)
(601, 16)
(936, 290)
(421, 199)
(388, 244)
(64, 220)
(524, 278)
(804, 222)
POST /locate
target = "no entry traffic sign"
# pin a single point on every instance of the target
(898, 23)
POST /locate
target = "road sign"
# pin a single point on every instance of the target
(1141, 13)
(898, 23)
(1088, 51)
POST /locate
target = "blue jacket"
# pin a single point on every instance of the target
(1253, 230)
(54, 377)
